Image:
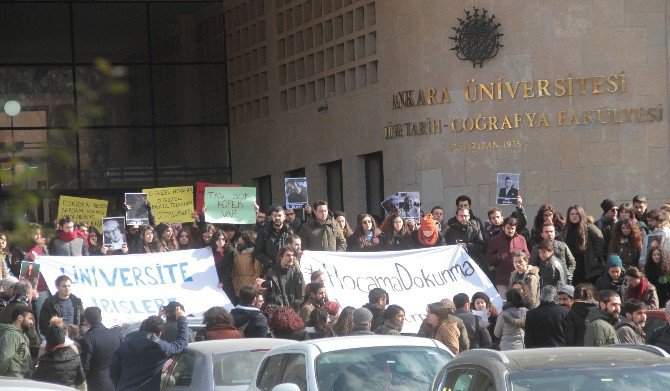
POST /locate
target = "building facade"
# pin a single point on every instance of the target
(168, 128)
(367, 98)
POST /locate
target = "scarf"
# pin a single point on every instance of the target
(67, 236)
(49, 349)
(637, 292)
(430, 241)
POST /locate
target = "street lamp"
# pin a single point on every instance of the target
(12, 109)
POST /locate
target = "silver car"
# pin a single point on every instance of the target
(366, 363)
(227, 364)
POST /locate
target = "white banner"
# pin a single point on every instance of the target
(412, 278)
(130, 288)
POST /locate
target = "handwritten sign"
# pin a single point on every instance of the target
(83, 210)
(413, 278)
(230, 205)
(112, 282)
(171, 204)
(200, 192)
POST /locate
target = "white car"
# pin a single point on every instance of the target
(226, 364)
(367, 363)
(15, 384)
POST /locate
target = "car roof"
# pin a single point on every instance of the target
(236, 345)
(12, 383)
(567, 357)
(352, 342)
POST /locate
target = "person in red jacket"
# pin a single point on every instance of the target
(499, 254)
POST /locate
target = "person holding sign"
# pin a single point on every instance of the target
(322, 233)
(67, 242)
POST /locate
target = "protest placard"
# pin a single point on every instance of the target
(138, 214)
(508, 188)
(30, 271)
(230, 205)
(200, 192)
(113, 232)
(130, 288)
(406, 203)
(171, 204)
(412, 278)
(83, 210)
(296, 192)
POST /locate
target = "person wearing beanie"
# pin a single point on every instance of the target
(6, 290)
(362, 322)
(428, 234)
(566, 296)
(608, 219)
(60, 363)
(613, 278)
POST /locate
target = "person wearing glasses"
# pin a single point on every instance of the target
(366, 235)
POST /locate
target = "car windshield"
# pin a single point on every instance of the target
(234, 369)
(393, 368)
(651, 378)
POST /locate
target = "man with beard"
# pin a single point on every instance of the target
(561, 251)
(630, 327)
(468, 235)
(271, 238)
(283, 282)
(601, 320)
(14, 345)
(494, 224)
(315, 296)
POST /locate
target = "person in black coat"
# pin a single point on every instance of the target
(60, 363)
(545, 325)
(249, 319)
(139, 360)
(97, 347)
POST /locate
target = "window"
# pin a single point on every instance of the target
(263, 192)
(334, 185)
(182, 373)
(236, 369)
(295, 371)
(269, 372)
(459, 379)
(374, 183)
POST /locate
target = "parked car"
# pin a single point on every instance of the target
(376, 362)
(615, 367)
(14, 384)
(227, 364)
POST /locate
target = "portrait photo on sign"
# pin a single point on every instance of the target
(296, 192)
(30, 271)
(406, 203)
(138, 214)
(508, 188)
(113, 232)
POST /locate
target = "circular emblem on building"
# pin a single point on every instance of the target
(477, 37)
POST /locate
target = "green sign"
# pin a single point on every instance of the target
(230, 205)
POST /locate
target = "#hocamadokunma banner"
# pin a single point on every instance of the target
(412, 278)
(130, 288)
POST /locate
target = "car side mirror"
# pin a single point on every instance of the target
(286, 387)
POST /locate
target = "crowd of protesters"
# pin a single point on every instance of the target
(567, 280)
